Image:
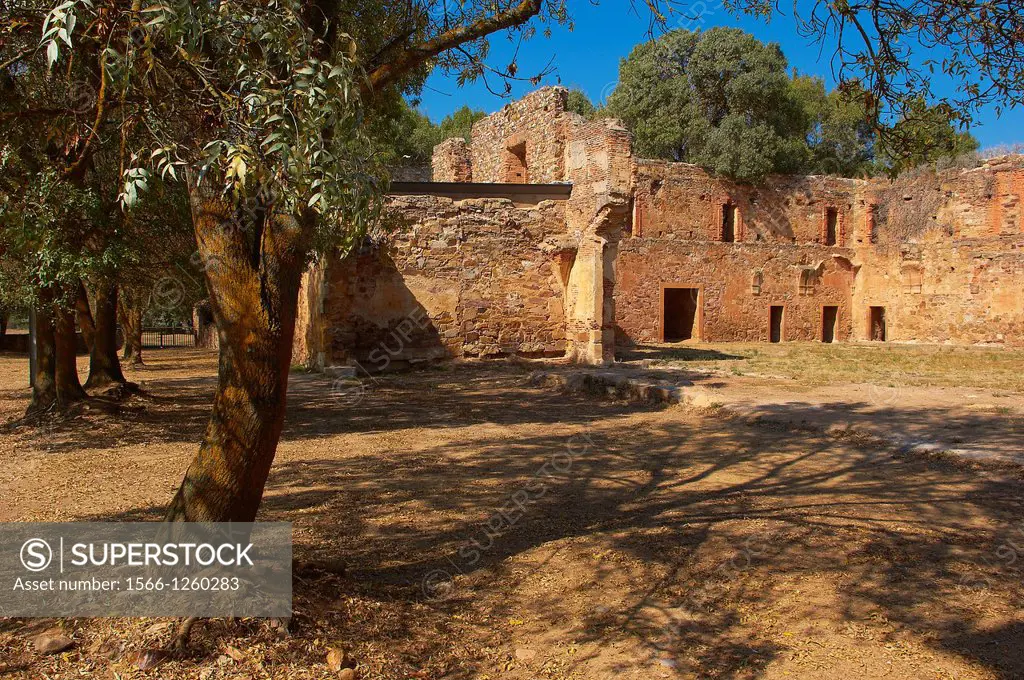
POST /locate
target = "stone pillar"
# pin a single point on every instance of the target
(585, 304)
(451, 161)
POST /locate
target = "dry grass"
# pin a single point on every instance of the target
(824, 364)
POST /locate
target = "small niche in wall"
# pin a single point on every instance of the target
(755, 283)
(877, 330)
(831, 226)
(805, 284)
(913, 277)
(516, 171)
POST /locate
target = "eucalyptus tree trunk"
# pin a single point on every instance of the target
(104, 366)
(253, 275)
(69, 388)
(131, 308)
(84, 315)
(44, 383)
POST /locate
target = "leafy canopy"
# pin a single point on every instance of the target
(724, 100)
(578, 102)
(719, 98)
(408, 137)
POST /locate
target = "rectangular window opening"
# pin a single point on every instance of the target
(516, 169)
(728, 223)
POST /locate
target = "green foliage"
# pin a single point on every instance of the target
(843, 141)
(401, 135)
(905, 53)
(281, 124)
(404, 136)
(725, 101)
(719, 98)
(578, 102)
(840, 137)
(922, 137)
(44, 225)
(460, 123)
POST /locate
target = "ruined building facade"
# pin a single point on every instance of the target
(545, 236)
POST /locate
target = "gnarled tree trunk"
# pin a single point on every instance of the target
(104, 366)
(130, 310)
(69, 388)
(253, 280)
(44, 383)
(84, 315)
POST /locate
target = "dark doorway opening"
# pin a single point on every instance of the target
(831, 226)
(728, 223)
(829, 317)
(878, 323)
(775, 324)
(680, 314)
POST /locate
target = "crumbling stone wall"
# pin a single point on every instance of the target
(599, 163)
(737, 284)
(533, 126)
(536, 140)
(477, 277)
(778, 256)
(463, 279)
(680, 201)
(948, 265)
(451, 161)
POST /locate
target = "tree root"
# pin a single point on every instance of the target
(180, 642)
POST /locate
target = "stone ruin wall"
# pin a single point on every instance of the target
(598, 162)
(942, 255)
(461, 279)
(531, 129)
(948, 264)
(779, 234)
(537, 140)
(451, 161)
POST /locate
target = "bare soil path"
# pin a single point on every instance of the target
(494, 530)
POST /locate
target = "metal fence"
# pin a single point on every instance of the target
(168, 336)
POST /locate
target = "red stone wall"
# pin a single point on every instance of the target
(949, 263)
(679, 201)
(779, 227)
(734, 305)
(944, 254)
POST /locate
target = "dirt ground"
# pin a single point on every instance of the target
(966, 402)
(658, 542)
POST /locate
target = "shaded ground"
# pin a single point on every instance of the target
(652, 542)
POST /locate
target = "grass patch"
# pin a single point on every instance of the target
(822, 364)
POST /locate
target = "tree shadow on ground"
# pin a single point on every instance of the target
(673, 352)
(463, 500)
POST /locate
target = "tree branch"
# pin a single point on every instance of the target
(386, 74)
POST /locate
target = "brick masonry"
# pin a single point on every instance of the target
(942, 254)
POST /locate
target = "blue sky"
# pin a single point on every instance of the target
(588, 58)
